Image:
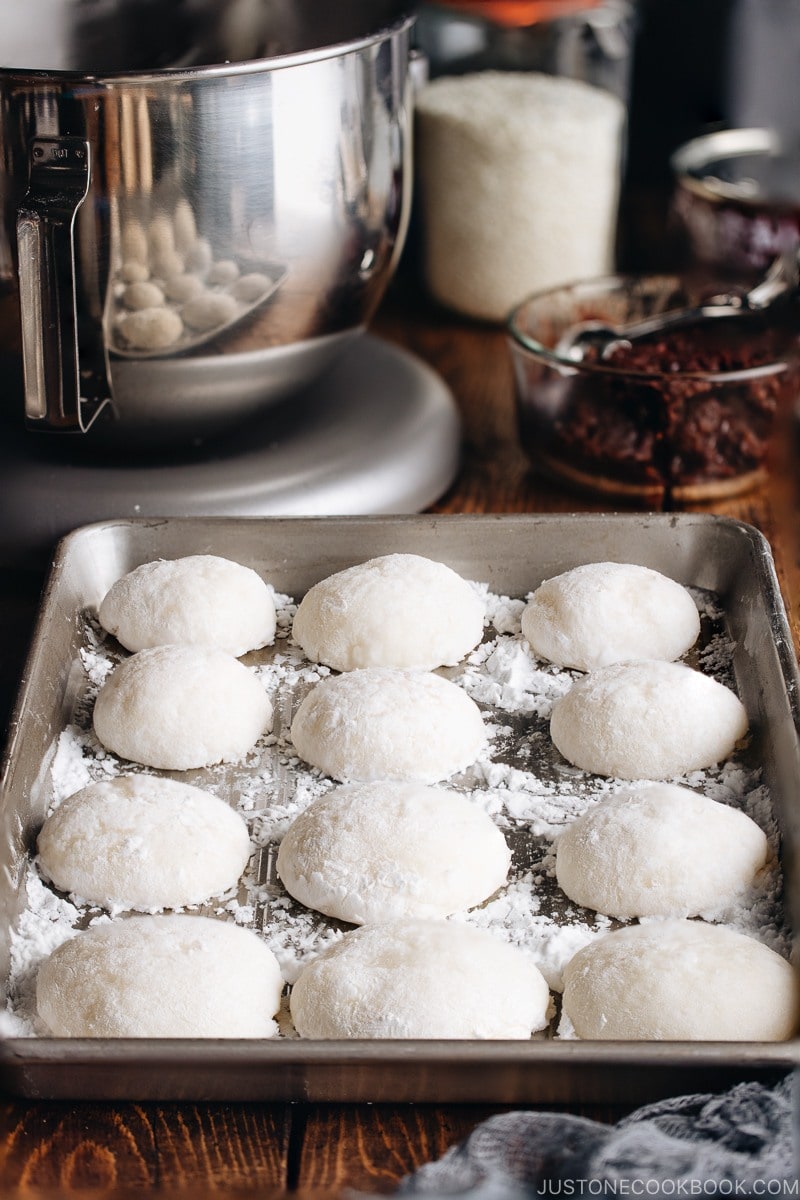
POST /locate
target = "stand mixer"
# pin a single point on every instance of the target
(194, 241)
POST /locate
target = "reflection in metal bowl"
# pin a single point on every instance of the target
(203, 177)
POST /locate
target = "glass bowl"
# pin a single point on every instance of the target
(687, 416)
(736, 201)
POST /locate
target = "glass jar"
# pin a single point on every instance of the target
(521, 138)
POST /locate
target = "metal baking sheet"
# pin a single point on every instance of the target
(511, 554)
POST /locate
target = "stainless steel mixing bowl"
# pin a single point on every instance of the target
(241, 170)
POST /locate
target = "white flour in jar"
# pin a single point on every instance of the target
(519, 781)
(518, 176)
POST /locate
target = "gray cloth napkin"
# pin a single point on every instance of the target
(738, 1143)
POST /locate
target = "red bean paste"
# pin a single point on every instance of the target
(654, 430)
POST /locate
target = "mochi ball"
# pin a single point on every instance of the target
(647, 720)
(133, 272)
(400, 610)
(609, 612)
(388, 724)
(375, 852)
(208, 310)
(143, 842)
(155, 328)
(680, 980)
(251, 287)
(420, 979)
(223, 271)
(161, 976)
(200, 599)
(142, 294)
(183, 287)
(179, 707)
(659, 850)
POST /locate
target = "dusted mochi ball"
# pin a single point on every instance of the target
(155, 328)
(142, 842)
(401, 610)
(197, 600)
(224, 271)
(157, 977)
(420, 979)
(609, 612)
(675, 980)
(658, 850)
(142, 295)
(251, 287)
(373, 852)
(208, 310)
(179, 707)
(647, 720)
(183, 287)
(390, 725)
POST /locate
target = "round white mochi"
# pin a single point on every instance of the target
(609, 612)
(162, 976)
(142, 842)
(400, 610)
(420, 979)
(383, 723)
(208, 310)
(251, 287)
(142, 295)
(155, 328)
(373, 852)
(197, 600)
(680, 980)
(179, 707)
(225, 270)
(658, 850)
(133, 272)
(183, 287)
(647, 720)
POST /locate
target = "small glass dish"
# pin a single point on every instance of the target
(736, 201)
(684, 416)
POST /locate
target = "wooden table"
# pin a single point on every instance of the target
(73, 1149)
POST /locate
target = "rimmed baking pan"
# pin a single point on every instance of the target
(726, 561)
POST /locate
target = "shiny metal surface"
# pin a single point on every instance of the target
(295, 166)
(512, 553)
(380, 433)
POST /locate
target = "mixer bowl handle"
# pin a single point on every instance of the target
(60, 172)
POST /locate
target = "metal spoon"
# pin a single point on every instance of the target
(782, 278)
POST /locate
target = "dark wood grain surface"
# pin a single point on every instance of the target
(241, 1150)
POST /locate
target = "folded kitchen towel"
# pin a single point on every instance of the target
(738, 1143)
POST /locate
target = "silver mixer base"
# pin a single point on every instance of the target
(379, 434)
